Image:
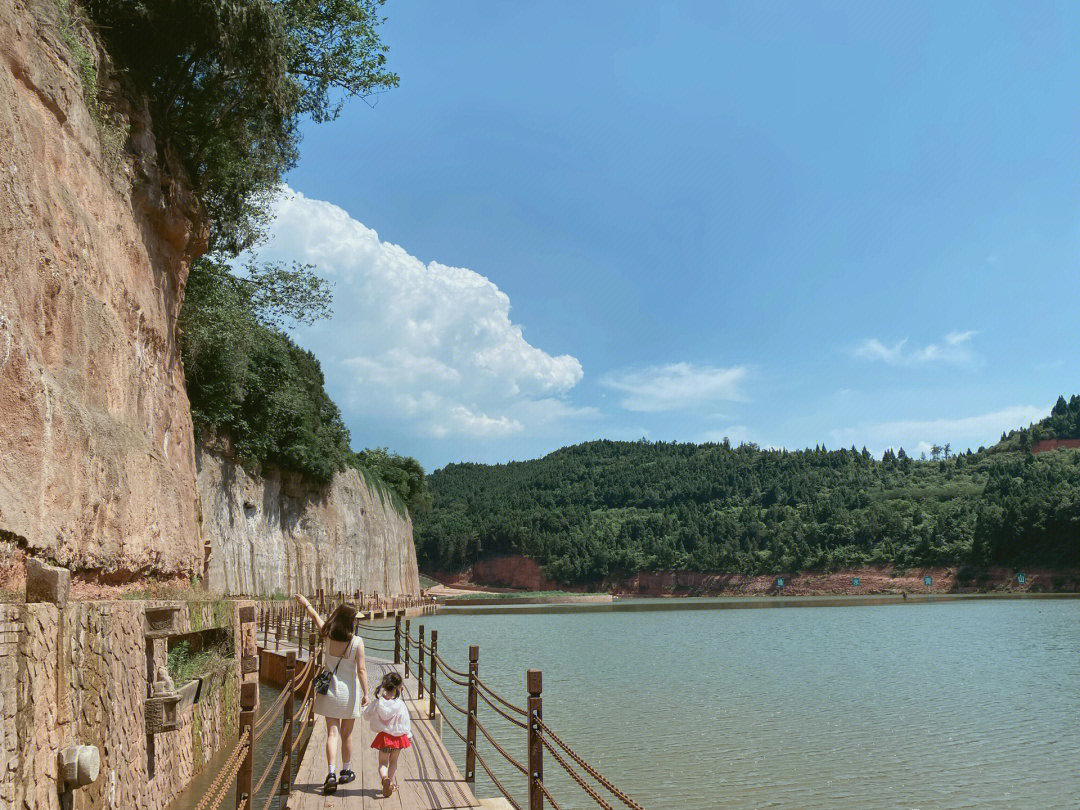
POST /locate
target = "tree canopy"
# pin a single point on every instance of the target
(606, 509)
(228, 82)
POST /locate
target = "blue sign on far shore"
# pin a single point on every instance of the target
(927, 581)
(1021, 578)
(779, 582)
(855, 581)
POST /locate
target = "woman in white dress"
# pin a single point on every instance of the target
(343, 655)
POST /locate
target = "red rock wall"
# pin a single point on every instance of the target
(526, 574)
(1054, 444)
(503, 572)
(97, 467)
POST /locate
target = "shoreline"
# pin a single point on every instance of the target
(648, 603)
(522, 575)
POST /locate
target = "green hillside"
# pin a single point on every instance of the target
(609, 508)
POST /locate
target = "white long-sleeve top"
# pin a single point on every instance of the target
(391, 716)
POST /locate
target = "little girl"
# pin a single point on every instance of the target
(388, 717)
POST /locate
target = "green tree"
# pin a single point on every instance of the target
(228, 82)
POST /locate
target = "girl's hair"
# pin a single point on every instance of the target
(339, 626)
(391, 682)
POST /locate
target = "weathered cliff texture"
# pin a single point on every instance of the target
(80, 675)
(96, 461)
(275, 533)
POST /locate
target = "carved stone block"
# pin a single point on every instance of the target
(47, 583)
(162, 713)
(160, 621)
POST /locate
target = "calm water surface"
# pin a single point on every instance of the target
(962, 705)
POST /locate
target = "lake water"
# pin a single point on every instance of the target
(950, 705)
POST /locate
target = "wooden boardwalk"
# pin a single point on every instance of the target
(427, 777)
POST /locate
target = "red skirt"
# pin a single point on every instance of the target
(384, 740)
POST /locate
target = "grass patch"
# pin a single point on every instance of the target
(428, 582)
(112, 130)
(185, 665)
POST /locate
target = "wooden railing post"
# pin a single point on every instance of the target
(277, 633)
(470, 725)
(249, 693)
(420, 666)
(287, 719)
(397, 639)
(408, 647)
(314, 672)
(431, 689)
(534, 682)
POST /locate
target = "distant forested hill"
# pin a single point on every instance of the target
(608, 508)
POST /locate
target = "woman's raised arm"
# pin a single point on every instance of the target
(361, 670)
(315, 617)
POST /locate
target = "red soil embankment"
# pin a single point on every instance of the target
(526, 574)
(516, 573)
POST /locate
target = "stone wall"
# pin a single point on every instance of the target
(80, 675)
(97, 467)
(274, 533)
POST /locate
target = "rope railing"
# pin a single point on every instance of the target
(541, 738)
(485, 688)
(574, 775)
(585, 766)
(433, 676)
(212, 798)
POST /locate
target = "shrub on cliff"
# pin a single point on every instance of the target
(229, 80)
(248, 380)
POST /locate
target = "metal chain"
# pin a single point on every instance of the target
(447, 668)
(277, 781)
(618, 794)
(495, 779)
(512, 719)
(502, 750)
(448, 699)
(575, 775)
(446, 671)
(501, 700)
(212, 798)
(453, 728)
(550, 798)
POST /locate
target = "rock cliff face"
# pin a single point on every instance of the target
(275, 533)
(97, 467)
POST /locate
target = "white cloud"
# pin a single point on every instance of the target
(917, 435)
(954, 349)
(674, 386)
(427, 343)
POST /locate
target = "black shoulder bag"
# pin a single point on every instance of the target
(322, 680)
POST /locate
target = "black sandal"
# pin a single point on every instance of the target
(345, 776)
(330, 785)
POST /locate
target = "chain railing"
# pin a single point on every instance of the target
(433, 678)
(539, 737)
(281, 623)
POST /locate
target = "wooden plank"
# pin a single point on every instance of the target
(428, 779)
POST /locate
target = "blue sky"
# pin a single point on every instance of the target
(787, 224)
